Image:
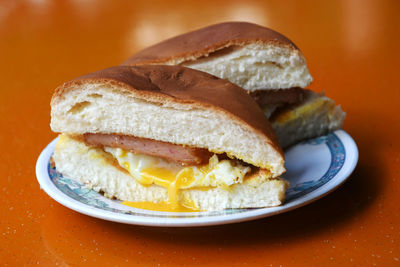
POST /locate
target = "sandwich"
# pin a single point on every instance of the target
(170, 135)
(269, 66)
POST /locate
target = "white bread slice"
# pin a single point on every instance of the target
(246, 54)
(171, 104)
(257, 67)
(316, 115)
(95, 168)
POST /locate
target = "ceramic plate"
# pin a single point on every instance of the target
(314, 168)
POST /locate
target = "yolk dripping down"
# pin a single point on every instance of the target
(149, 170)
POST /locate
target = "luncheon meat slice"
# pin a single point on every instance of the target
(281, 96)
(178, 153)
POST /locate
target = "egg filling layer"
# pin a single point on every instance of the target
(149, 170)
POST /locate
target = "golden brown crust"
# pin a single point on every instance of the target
(177, 84)
(199, 43)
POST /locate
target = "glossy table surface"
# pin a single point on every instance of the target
(351, 49)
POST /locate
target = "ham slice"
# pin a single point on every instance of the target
(178, 153)
(281, 96)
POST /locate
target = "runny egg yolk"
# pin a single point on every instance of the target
(149, 170)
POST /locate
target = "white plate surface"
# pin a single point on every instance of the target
(314, 168)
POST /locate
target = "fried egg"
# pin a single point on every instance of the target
(148, 170)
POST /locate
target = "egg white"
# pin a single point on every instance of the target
(153, 170)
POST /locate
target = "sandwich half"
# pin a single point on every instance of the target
(169, 135)
(265, 63)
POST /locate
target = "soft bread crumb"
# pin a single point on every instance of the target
(257, 66)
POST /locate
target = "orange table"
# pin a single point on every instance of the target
(352, 52)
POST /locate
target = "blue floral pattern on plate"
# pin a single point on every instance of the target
(338, 156)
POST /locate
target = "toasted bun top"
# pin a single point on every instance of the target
(198, 43)
(183, 85)
(76, 103)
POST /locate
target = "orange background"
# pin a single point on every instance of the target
(352, 52)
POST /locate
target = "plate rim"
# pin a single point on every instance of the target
(343, 174)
